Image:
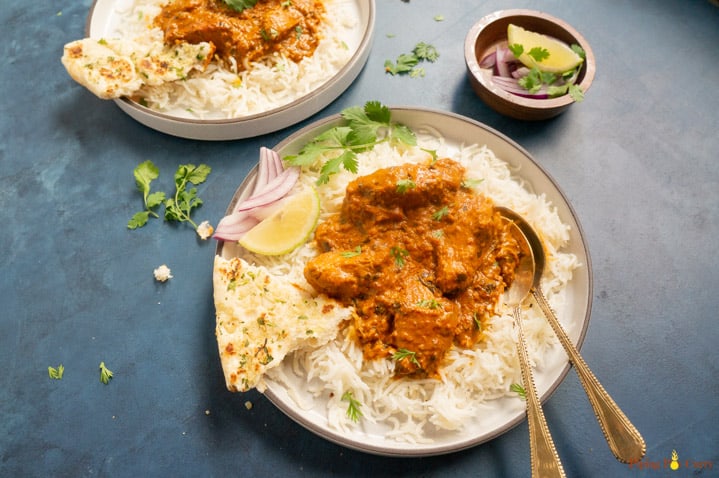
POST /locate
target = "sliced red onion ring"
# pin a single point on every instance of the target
(234, 226)
(273, 191)
(511, 85)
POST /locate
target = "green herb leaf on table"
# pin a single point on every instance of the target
(105, 373)
(145, 173)
(56, 373)
(406, 63)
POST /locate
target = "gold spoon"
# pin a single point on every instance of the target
(625, 441)
(544, 459)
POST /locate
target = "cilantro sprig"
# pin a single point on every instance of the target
(363, 129)
(180, 205)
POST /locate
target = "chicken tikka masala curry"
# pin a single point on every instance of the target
(421, 257)
(291, 28)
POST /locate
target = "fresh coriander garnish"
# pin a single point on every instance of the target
(440, 213)
(145, 173)
(240, 5)
(179, 207)
(364, 128)
(429, 304)
(402, 354)
(469, 183)
(407, 62)
(404, 185)
(353, 409)
(353, 253)
(105, 373)
(56, 373)
(519, 390)
(399, 254)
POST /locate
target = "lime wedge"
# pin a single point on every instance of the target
(286, 228)
(560, 57)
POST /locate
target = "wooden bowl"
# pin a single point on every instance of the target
(491, 31)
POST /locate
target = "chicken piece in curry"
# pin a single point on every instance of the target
(422, 258)
(291, 28)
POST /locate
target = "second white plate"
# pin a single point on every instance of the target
(102, 22)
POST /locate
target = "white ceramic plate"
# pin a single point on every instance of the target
(103, 19)
(502, 414)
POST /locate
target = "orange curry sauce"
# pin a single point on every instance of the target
(291, 28)
(422, 258)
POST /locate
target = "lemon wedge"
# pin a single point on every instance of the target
(561, 57)
(286, 228)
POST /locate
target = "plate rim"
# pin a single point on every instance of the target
(405, 449)
(269, 121)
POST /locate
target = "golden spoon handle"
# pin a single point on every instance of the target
(544, 458)
(623, 438)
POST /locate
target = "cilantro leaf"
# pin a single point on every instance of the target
(56, 373)
(406, 63)
(240, 5)
(353, 409)
(517, 49)
(576, 92)
(404, 185)
(519, 390)
(144, 174)
(105, 373)
(402, 354)
(538, 54)
(425, 51)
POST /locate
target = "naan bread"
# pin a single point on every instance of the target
(261, 318)
(115, 68)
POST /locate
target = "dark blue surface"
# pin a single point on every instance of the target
(638, 160)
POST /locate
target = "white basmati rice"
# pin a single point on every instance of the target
(416, 409)
(221, 92)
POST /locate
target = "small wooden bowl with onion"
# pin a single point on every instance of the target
(490, 32)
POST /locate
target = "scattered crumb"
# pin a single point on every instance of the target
(205, 230)
(248, 405)
(163, 273)
(207, 412)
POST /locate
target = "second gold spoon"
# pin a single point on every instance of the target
(625, 441)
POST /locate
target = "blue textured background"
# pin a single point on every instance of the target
(637, 160)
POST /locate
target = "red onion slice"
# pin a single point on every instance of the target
(511, 85)
(234, 226)
(273, 191)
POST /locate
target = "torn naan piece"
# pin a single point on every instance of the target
(115, 68)
(263, 317)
